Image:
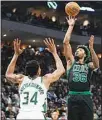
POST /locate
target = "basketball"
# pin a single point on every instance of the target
(72, 9)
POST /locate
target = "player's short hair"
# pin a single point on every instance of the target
(53, 111)
(87, 51)
(31, 68)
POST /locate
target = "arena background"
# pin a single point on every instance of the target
(32, 22)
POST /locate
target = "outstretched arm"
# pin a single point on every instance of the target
(95, 60)
(66, 42)
(71, 22)
(68, 52)
(52, 77)
(10, 70)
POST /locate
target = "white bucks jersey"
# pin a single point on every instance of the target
(32, 94)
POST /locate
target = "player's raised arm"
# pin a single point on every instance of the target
(11, 67)
(66, 41)
(49, 78)
(95, 60)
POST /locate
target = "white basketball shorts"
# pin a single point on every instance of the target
(32, 115)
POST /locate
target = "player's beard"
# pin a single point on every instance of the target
(76, 57)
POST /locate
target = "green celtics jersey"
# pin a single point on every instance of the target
(79, 77)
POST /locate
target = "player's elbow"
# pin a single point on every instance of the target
(8, 76)
(96, 65)
(62, 71)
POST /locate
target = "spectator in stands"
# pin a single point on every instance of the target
(3, 117)
(54, 115)
(32, 18)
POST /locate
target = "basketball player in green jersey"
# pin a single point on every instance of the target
(79, 70)
(33, 87)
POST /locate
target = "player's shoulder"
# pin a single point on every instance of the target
(25, 77)
(47, 75)
(70, 64)
(23, 80)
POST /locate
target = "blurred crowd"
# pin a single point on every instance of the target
(57, 93)
(52, 23)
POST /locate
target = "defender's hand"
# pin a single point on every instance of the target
(51, 45)
(17, 49)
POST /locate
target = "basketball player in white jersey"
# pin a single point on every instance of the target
(32, 87)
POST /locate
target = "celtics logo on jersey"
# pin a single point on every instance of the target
(80, 73)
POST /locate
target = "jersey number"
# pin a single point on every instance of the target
(33, 98)
(79, 77)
